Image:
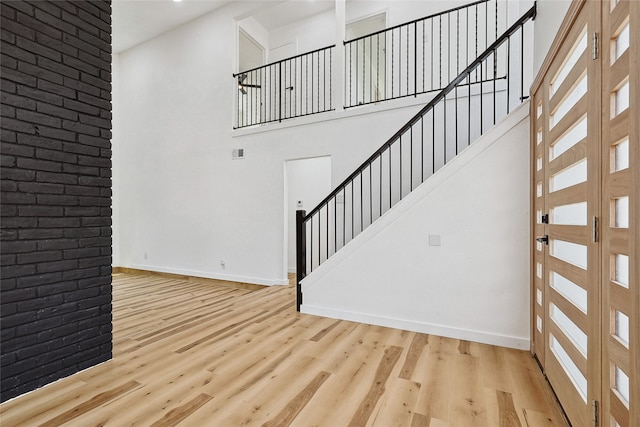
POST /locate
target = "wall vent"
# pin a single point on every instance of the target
(237, 153)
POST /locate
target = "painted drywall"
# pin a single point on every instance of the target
(323, 34)
(550, 14)
(475, 285)
(115, 161)
(185, 205)
(308, 181)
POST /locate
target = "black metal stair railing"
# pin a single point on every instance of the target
(473, 102)
(420, 56)
(292, 87)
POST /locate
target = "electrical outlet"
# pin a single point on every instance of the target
(223, 264)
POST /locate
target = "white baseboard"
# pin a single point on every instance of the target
(207, 275)
(520, 343)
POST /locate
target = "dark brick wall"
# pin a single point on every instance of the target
(55, 239)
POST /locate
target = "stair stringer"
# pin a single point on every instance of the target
(475, 286)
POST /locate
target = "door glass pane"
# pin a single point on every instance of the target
(621, 99)
(539, 323)
(621, 269)
(574, 56)
(570, 329)
(570, 368)
(572, 292)
(572, 175)
(622, 385)
(621, 42)
(570, 138)
(572, 253)
(621, 326)
(539, 270)
(574, 214)
(621, 155)
(621, 208)
(572, 99)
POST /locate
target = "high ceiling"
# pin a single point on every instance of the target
(136, 21)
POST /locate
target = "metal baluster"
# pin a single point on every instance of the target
(352, 212)
(377, 65)
(444, 125)
(495, 75)
(424, 89)
(433, 140)
(393, 61)
(481, 83)
(422, 149)
(521, 62)
(415, 58)
(456, 91)
(508, 73)
(400, 167)
(469, 101)
(361, 204)
(411, 158)
(370, 193)
(440, 49)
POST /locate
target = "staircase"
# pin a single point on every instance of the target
(472, 103)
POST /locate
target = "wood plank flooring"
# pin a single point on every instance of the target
(196, 354)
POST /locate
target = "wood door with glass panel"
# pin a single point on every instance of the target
(620, 214)
(586, 190)
(566, 256)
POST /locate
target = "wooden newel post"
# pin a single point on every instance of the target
(301, 255)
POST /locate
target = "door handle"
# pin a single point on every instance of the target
(543, 239)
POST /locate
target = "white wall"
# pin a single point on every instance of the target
(185, 205)
(115, 161)
(550, 14)
(180, 203)
(475, 285)
(323, 34)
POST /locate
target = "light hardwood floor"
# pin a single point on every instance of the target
(194, 354)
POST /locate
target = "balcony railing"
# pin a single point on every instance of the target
(420, 56)
(293, 87)
(413, 58)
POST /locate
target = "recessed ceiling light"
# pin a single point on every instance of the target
(177, 1)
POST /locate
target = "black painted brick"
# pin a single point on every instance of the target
(18, 101)
(40, 72)
(32, 94)
(37, 187)
(55, 22)
(56, 190)
(56, 89)
(54, 133)
(17, 28)
(39, 141)
(71, 40)
(56, 111)
(80, 128)
(55, 155)
(17, 53)
(39, 165)
(38, 49)
(39, 26)
(40, 234)
(18, 76)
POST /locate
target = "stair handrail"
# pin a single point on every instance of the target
(303, 219)
(530, 14)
